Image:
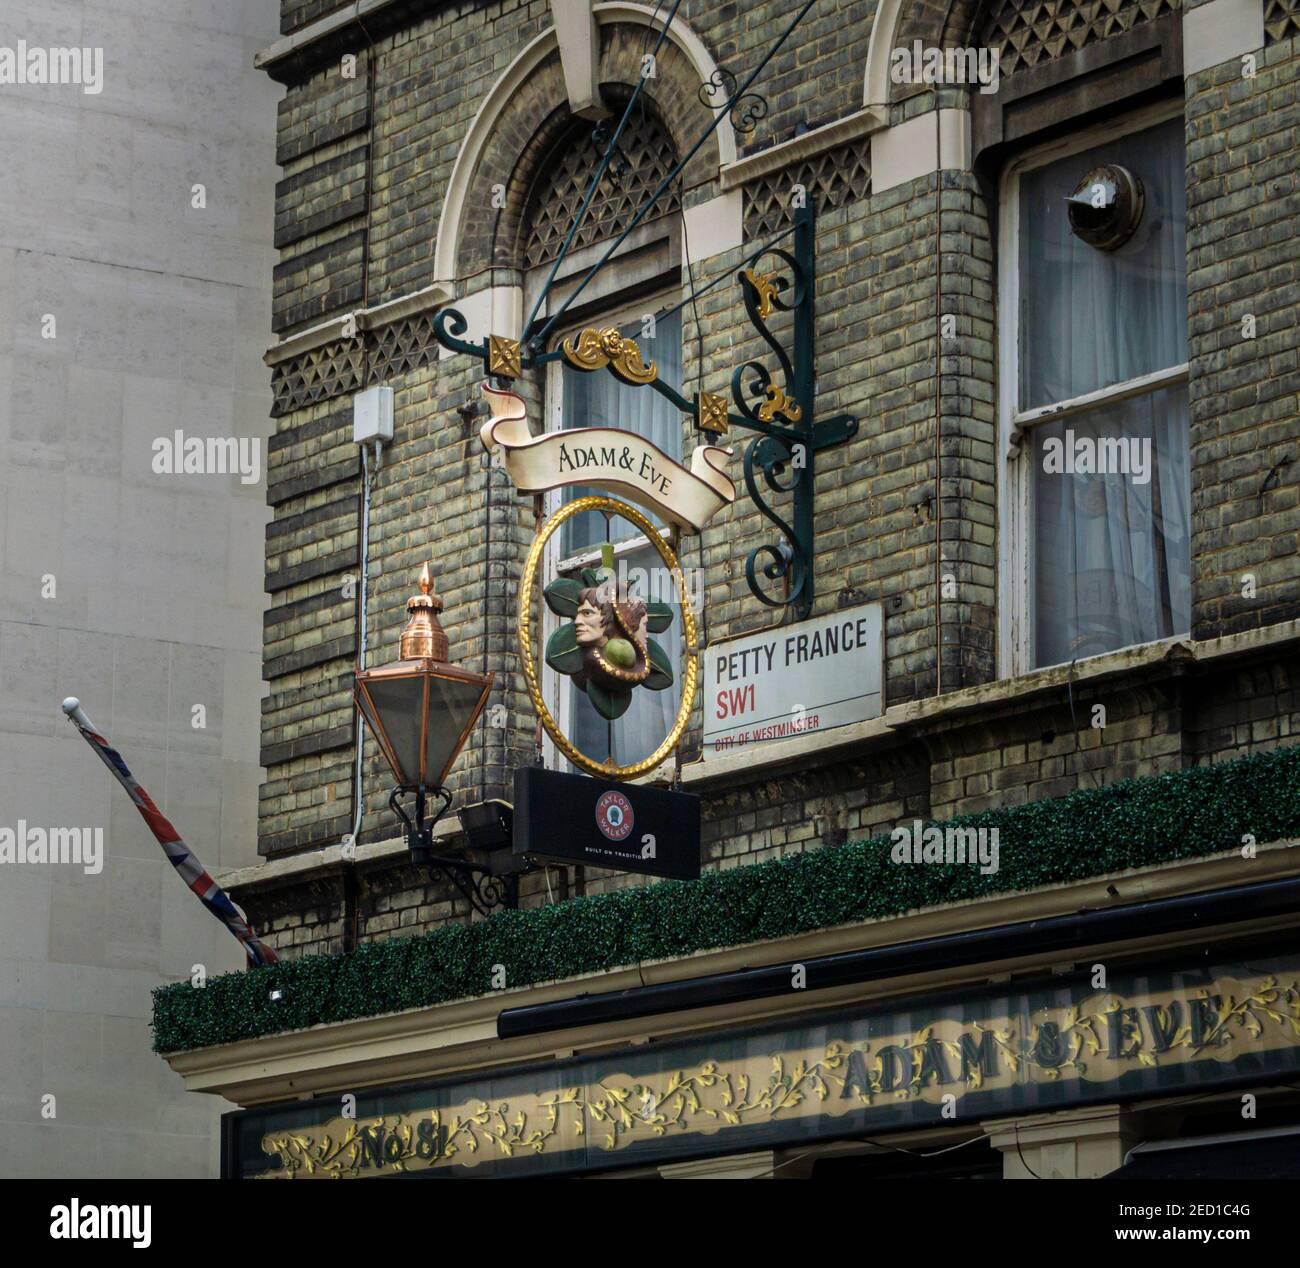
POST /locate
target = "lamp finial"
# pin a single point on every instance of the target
(424, 638)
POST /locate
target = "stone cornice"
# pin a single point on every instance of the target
(461, 1034)
(859, 124)
(427, 299)
(279, 58)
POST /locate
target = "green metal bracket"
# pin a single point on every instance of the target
(780, 409)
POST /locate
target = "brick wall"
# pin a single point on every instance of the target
(1156, 718)
(909, 501)
(1243, 245)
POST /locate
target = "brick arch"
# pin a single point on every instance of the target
(535, 116)
(943, 23)
(528, 100)
(674, 95)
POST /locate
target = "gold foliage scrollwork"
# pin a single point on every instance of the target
(779, 402)
(1094, 1040)
(596, 349)
(765, 288)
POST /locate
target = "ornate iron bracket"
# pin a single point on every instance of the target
(718, 92)
(780, 407)
(482, 888)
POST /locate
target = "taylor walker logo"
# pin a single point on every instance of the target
(614, 816)
(96, 1223)
(24, 65)
(179, 454)
(914, 843)
(78, 846)
(1106, 455)
(922, 65)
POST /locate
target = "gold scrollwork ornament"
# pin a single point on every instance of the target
(596, 349)
(779, 402)
(765, 288)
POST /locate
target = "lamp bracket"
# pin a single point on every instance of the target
(482, 888)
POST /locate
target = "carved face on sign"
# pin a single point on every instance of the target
(589, 622)
(606, 648)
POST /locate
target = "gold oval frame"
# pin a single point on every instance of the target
(524, 632)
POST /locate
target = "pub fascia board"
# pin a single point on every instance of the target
(460, 1035)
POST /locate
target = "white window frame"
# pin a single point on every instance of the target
(1015, 448)
(555, 689)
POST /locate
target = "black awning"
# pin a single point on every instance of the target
(1266, 1156)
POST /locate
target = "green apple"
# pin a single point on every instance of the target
(618, 651)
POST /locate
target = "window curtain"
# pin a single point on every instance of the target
(1110, 557)
(1090, 318)
(595, 400)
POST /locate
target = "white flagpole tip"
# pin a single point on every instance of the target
(72, 707)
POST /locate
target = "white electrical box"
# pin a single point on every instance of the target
(372, 415)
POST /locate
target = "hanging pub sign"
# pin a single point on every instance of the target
(571, 819)
(1052, 1044)
(610, 459)
(604, 644)
(793, 680)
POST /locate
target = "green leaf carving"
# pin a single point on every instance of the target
(659, 616)
(609, 704)
(562, 596)
(562, 651)
(661, 669)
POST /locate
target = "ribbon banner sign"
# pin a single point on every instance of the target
(606, 458)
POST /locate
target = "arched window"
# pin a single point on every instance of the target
(645, 156)
(637, 291)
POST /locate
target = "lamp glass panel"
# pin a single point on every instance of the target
(367, 710)
(452, 705)
(398, 701)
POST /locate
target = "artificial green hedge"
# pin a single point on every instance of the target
(1134, 823)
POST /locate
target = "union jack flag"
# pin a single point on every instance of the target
(181, 857)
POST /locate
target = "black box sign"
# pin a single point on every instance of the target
(576, 819)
